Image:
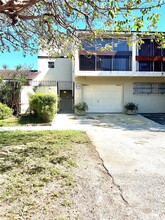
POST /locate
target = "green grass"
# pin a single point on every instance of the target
(22, 120)
(29, 162)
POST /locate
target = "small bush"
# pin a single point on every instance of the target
(44, 105)
(81, 106)
(131, 106)
(5, 111)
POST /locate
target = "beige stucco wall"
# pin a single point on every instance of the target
(47, 89)
(62, 70)
(151, 103)
(25, 92)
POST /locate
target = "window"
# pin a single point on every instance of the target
(121, 63)
(88, 45)
(102, 43)
(146, 48)
(163, 66)
(156, 50)
(120, 60)
(161, 88)
(120, 45)
(145, 66)
(87, 62)
(97, 44)
(104, 63)
(149, 88)
(50, 64)
(157, 66)
(151, 48)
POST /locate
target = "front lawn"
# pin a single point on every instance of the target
(22, 120)
(36, 172)
(55, 175)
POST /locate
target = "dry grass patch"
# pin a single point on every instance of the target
(36, 171)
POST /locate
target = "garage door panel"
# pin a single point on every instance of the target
(103, 98)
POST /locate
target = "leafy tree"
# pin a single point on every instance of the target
(10, 89)
(23, 22)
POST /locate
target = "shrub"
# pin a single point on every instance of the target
(44, 105)
(81, 106)
(131, 106)
(5, 111)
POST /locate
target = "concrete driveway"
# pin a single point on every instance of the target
(135, 160)
(132, 149)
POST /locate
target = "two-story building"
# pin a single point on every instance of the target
(108, 79)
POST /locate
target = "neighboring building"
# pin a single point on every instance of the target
(31, 76)
(107, 80)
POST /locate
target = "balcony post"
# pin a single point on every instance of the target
(134, 53)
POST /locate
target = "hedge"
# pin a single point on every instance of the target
(5, 111)
(44, 105)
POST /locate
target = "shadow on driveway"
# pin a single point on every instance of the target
(156, 117)
(119, 121)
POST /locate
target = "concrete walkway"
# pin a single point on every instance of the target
(132, 149)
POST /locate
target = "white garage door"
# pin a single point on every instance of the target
(103, 98)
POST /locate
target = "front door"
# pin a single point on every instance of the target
(66, 101)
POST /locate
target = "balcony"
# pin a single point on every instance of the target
(104, 64)
(148, 61)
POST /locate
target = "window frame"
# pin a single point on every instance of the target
(51, 64)
(148, 88)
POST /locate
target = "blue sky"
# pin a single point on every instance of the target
(13, 59)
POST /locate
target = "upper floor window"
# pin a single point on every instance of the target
(101, 43)
(151, 48)
(88, 45)
(157, 66)
(120, 45)
(87, 62)
(121, 63)
(102, 62)
(50, 64)
(97, 44)
(117, 57)
(145, 66)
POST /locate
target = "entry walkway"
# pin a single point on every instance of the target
(61, 122)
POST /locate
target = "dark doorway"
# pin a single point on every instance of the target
(66, 101)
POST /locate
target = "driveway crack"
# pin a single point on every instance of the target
(118, 187)
(115, 184)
